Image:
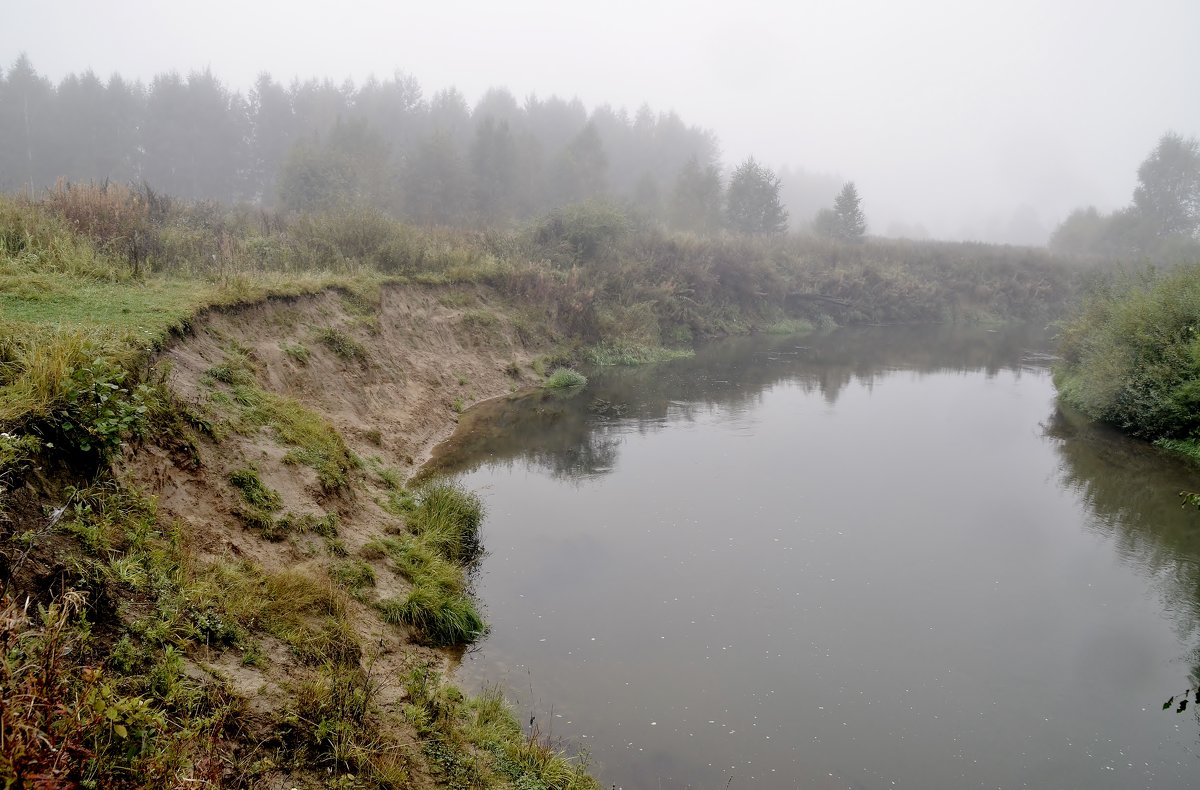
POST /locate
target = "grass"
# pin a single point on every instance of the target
(313, 441)
(632, 354)
(297, 352)
(342, 345)
(564, 378)
(1189, 448)
(788, 326)
(447, 517)
(443, 534)
(478, 742)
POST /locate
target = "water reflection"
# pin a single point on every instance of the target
(580, 437)
(1131, 490)
(873, 558)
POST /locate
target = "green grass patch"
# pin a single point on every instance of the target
(313, 441)
(447, 517)
(565, 378)
(438, 604)
(631, 354)
(1185, 447)
(788, 326)
(342, 345)
(297, 352)
(253, 491)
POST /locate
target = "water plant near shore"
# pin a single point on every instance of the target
(565, 378)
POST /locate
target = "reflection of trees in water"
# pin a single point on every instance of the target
(1132, 488)
(581, 436)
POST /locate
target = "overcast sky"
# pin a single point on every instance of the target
(950, 113)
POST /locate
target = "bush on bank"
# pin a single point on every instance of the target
(1131, 355)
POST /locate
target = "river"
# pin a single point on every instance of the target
(873, 558)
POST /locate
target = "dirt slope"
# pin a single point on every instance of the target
(390, 378)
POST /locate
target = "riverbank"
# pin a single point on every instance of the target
(260, 595)
(208, 422)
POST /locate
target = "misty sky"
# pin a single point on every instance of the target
(951, 113)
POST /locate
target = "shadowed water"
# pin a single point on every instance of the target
(871, 559)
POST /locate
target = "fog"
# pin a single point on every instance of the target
(956, 119)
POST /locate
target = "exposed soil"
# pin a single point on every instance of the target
(425, 354)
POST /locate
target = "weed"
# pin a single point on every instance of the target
(630, 354)
(565, 378)
(480, 323)
(297, 352)
(788, 326)
(447, 517)
(314, 441)
(342, 345)
(443, 619)
(458, 406)
(253, 491)
(354, 575)
(437, 605)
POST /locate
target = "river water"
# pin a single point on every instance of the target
(875, 558)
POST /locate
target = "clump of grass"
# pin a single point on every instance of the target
(480, 322)
(631, 354)
(333, 722)
(1185, 447)
(478, 742)
(259, 503)
(354, 575)
(447, 517)
(443, 619)
(565, 378)
(438, 604)
(314, 442)
(294, 605)
(325, 525)
(297, 352)
(253, 491)
(342, 344)
(788, 326)
(458, 405)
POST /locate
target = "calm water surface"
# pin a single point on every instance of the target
(872, 559)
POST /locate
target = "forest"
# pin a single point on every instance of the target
(315, 145)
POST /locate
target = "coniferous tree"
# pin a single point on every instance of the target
(696, 199)
(851, 222)
(752, 201)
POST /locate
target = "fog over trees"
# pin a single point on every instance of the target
(1163, 220)
(314, 145)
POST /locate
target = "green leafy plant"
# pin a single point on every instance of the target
(565, 378)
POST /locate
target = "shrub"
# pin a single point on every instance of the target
(565, 378)
(1131, 355)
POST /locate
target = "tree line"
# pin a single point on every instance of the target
(1161, 223)
(317, 145)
